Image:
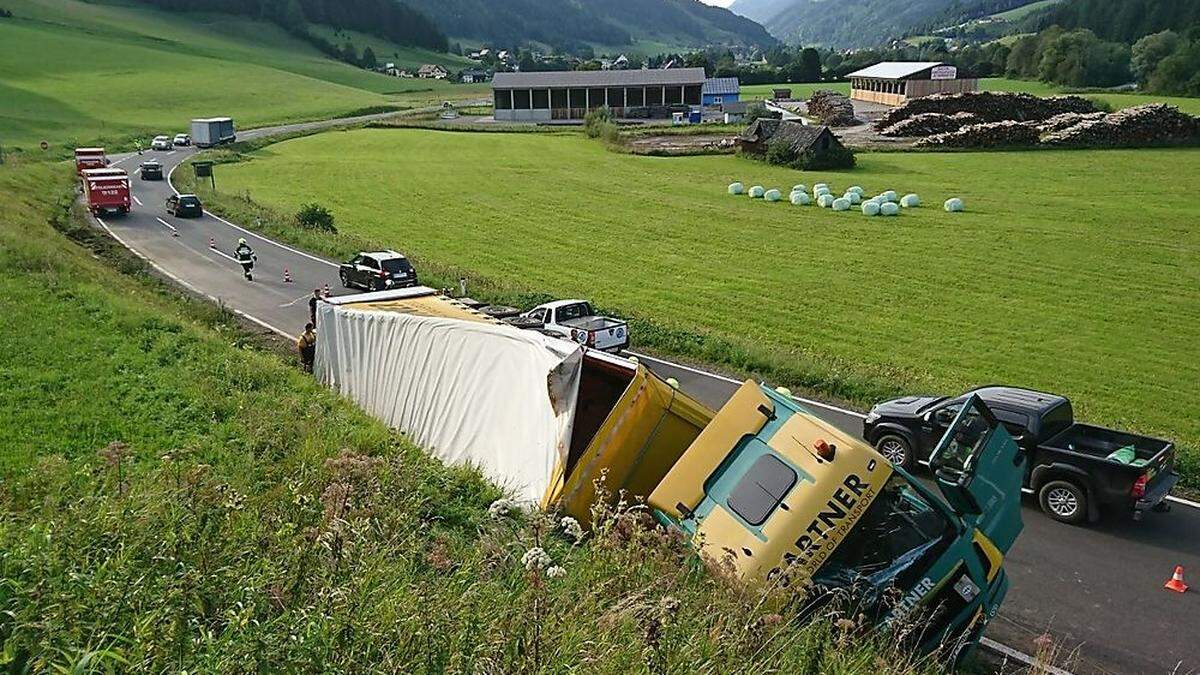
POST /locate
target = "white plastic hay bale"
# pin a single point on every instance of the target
(841, 204)
(820, 185)
(910, 200)
(889, 195)
(799, 187)
(772, 195)
(817, 192)
(801, 199)
(889, 209)
(953, 205)
(825, 201)
(855, 188)
(854, 197)
(757, 191)
(736, 188)
(870, 208)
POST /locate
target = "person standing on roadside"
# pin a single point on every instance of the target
(312, 305)
(307, 344)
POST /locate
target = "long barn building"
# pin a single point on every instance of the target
(569, 95)
(894, 82)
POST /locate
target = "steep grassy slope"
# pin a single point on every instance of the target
(1038, 283)
(74, 70)
(175, 499)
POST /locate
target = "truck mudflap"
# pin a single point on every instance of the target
(1156, 497)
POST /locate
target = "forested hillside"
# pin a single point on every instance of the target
(607, 22)
(1125, 20)
(388, 19)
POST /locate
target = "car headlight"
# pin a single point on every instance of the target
(871, 417)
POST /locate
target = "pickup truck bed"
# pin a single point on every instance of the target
(591, 323)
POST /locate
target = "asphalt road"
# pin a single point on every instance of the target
(1097, 591)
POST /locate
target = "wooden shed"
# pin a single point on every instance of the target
(894, 82)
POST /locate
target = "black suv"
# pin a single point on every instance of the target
(151, 170)
(378, 271)
(184, 206)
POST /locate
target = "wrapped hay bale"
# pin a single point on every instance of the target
(910, 200)
(800, 187)
(736, 188)
(817, 192)
(825, 200)
(888, 196)
(870, 208)
(818, 186)
(841, 204)
(854, 197)
(889, 209)
(772, 195)
(757, 191)
(953, 205)
(801, 199)
(856, 189)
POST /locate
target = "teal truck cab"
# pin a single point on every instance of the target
(784, 497)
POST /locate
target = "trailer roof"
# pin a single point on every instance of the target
(213, 119)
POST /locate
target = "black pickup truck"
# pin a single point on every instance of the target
(1074, 469)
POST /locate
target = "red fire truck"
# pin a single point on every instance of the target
(106, 190)
(89, 158)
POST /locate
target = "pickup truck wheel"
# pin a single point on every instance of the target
(345, 279)
(896, 450)
(1064, 501)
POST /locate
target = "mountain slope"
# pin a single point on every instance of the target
(608, 22)
(862, 23)
(1124, 20)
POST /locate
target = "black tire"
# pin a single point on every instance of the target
(345, 279)
(1064, 501)
(377, 285)
(897, 450)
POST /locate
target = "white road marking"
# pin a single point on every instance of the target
(272, 241)
(139, 202)
(168, 225)
(224, 255)
(293, 302)
(1035, 665)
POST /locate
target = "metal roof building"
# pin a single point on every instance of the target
(894, 82)
(719, 91)
(570, 94)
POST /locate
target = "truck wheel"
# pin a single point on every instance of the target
(345, 279)
(1064, 501)
(896, 450)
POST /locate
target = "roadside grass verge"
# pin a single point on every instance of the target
(1037, 284)
(175, 498)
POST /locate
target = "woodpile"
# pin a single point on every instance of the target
(928, 124)
(988, 107)
(1139, 126)
(1066, 120)
(831, 108)
(1005, 134)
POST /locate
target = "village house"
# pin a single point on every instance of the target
(432, 71)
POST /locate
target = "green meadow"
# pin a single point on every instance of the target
(1071, 271)
(72, 71)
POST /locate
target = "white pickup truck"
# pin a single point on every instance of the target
(575, 320)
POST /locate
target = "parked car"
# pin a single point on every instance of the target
(151, 170)
(576, 320)
(182, 139)
(161, 143)
(378, 271)
(1073, 468)
(184, 206)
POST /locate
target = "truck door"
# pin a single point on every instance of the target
(979, 469)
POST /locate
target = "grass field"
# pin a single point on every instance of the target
(1071, 271)
(74, 71)
(1116, 100)
(1023, 11)
(174, 496)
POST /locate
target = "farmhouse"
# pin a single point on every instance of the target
(568, 95)
(432, 71)
(718, 91)
(473, 76)
(894, 82)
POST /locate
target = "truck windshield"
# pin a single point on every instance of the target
(892, 543)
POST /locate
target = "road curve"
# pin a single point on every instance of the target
(1098, 591)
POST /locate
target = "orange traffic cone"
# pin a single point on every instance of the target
(1176, 583)
(287, 276)
(326, 291)
(212, 242)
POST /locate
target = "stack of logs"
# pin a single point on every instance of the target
(1139, 126)
(831, 108)
(1005, 134)
(988, 107)
(928, 124)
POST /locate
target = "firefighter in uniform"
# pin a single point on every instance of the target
(246, 258)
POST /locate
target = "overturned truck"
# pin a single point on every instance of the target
(763, 483)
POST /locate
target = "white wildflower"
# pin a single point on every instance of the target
(536, 558)
(556, 571)
(572, 527)
(500, 508)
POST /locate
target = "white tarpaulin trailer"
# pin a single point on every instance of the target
(468, 389)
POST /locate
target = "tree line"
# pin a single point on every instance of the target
(387, 19)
